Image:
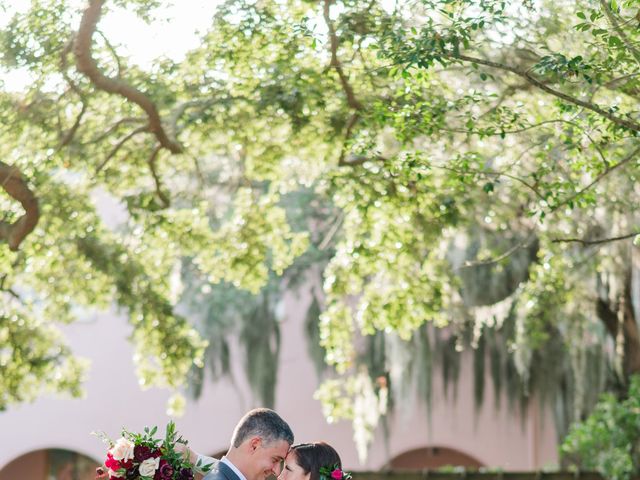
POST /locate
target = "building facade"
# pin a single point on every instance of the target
(35, 439)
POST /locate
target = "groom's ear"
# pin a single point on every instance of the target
(254, 443)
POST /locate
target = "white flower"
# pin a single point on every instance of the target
(114, 474)
(122, 450)
(149, 466)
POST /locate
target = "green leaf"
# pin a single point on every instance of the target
(615, 42)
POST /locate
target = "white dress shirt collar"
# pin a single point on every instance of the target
(228, 463)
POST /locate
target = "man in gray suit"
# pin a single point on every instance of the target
(259, 444)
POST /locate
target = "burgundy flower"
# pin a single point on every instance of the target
(142, 452)
(164, 472)
(132, 474)
(101, 473)
(185, 474)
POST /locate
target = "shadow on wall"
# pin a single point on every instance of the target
(51, 464)
(431, 458)
(217, 455)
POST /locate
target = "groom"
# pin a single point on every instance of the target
(259, 444)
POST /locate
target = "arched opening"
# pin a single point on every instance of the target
(51, 464)
(432, 458)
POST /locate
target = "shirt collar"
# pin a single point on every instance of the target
(228, 463)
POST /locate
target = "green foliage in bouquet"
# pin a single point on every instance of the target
(609, 439)
(141, 456)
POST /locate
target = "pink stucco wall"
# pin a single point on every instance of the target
(113, 399)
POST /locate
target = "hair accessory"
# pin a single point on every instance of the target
(334, 472)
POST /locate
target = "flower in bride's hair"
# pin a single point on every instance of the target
(333, 472)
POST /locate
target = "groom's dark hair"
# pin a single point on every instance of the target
(263, 423)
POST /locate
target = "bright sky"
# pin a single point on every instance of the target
(172, 35)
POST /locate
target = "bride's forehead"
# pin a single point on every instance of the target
(291, 458)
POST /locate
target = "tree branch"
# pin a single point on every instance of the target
(166, 202)
(495, 173)
(616, 26)
(357, 160)
(347, 135)
(595, 242)
(332, 232)
(631, 125)
(530, 127)
(606, 172)
(13, 183)
(478, 263)
(352, 101)
(335, 63)
(72, 131)
(112, 50)
(115, 127)
(64, 66)
(118, 146)
(87, 65)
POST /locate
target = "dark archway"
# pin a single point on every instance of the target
(432, 458)
(51, 464)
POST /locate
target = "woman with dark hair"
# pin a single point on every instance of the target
(313, 461)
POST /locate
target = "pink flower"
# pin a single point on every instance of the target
(122, 450)
(336, 474)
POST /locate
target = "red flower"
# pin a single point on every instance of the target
(336, 474)
(112, 463)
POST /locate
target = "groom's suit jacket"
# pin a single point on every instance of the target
(221, 471)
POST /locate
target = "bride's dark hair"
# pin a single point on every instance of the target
(313, 456)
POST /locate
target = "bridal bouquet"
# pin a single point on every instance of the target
(139, 456)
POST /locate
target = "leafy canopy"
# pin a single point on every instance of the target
(472, 164)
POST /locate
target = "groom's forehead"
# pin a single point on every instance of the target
(280, 448)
